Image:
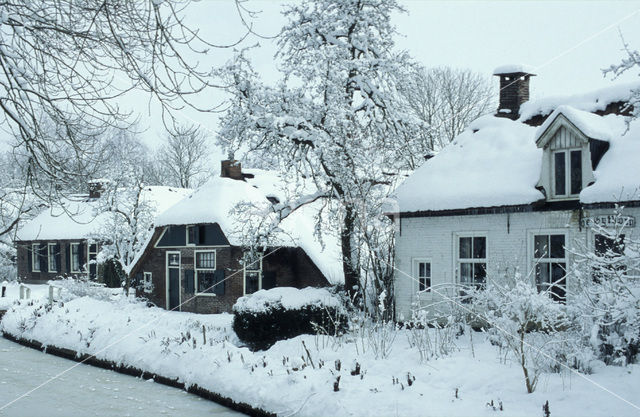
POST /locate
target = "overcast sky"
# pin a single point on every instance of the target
(567, 42)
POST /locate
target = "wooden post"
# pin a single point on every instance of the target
(50, 294)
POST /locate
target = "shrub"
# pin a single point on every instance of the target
(266, 316)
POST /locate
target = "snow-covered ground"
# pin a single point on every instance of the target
(38, 291)
(86, 390)
(297, 376)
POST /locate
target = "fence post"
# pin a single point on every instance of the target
(4, 288)
(50, 294)
(22, 287)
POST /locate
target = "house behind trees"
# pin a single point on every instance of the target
(515, 192)
(203, 254)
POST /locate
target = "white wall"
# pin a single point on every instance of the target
(509, 246)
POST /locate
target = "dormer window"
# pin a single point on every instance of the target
(567, 168)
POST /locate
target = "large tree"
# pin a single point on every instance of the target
(334, 117)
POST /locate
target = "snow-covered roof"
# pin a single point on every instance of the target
(495, 161)
(78, 217)
(217, 200)
(514, 69)
(590, 124)
(591, 101)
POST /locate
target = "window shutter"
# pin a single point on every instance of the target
(218, 279)
(56, 253)
(190, 281)
(268, 280)
(29, 258)
(67, 257)
(44, 259)
(201, 234)
(137, 279)
(196, 234)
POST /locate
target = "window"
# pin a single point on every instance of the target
(609, 251)
(51, 256)
(567, 169)
(93, 260)
(173, 259)
(35, 257)
(550, 265)
(205, 266)
(147, 283)
(252, 272)
(75, 257)
(472, 260)
(191, 235)
(423, 271)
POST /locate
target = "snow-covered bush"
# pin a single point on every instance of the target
(266, 316)
(82, 287)
(526, 323)
(608, 297)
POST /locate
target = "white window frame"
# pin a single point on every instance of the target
(147, 281)
(246, 270)
(459, 261)
(35, 257)
(567, 172)
(51, 247)
(196, 270)
(534, 261)
(186, 230)
(416, 274)
(71, 246)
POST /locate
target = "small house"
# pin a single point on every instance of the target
(517, 191)
(64, 239)
(201, 257)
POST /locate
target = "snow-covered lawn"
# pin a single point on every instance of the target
(287, 379)
(13, 293)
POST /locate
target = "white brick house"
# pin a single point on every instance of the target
(517, 191)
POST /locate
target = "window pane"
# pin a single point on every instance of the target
(558, 289)
(191, 235)
(424, 269)
(541, 246)
(466, 273)
(174, 259)
(205, 281)
(421, 267)
(479, 247)
(252, 283)
(560, 180)
(465, 248)
(206, 260)
(479, 273)
(557, 246)
(607, 246)
(576, 172)
(425, 284)
(542, 276)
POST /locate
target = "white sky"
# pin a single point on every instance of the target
(568, 42)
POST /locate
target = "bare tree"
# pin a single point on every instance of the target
(184, 156)
(446, 100)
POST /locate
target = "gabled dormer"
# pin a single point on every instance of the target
(573, 142)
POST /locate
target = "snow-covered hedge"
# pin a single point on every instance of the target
(266, 316)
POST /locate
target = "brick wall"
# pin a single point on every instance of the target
(509, 246)
(27, 274)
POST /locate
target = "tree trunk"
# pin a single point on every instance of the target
(351, 275)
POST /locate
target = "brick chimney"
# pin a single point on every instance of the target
(514, 89)
(230, 168)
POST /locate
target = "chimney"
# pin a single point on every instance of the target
(230, 168)
(96, 187)
(514, 89)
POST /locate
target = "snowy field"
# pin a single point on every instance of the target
(86, 390)
(297, 376)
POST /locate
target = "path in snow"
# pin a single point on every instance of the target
(87, 390)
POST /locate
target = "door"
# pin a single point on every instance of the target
(173, 280)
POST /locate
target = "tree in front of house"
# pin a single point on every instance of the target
(184, 157)
(629, 63)
(334, 118)
(608, 298)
